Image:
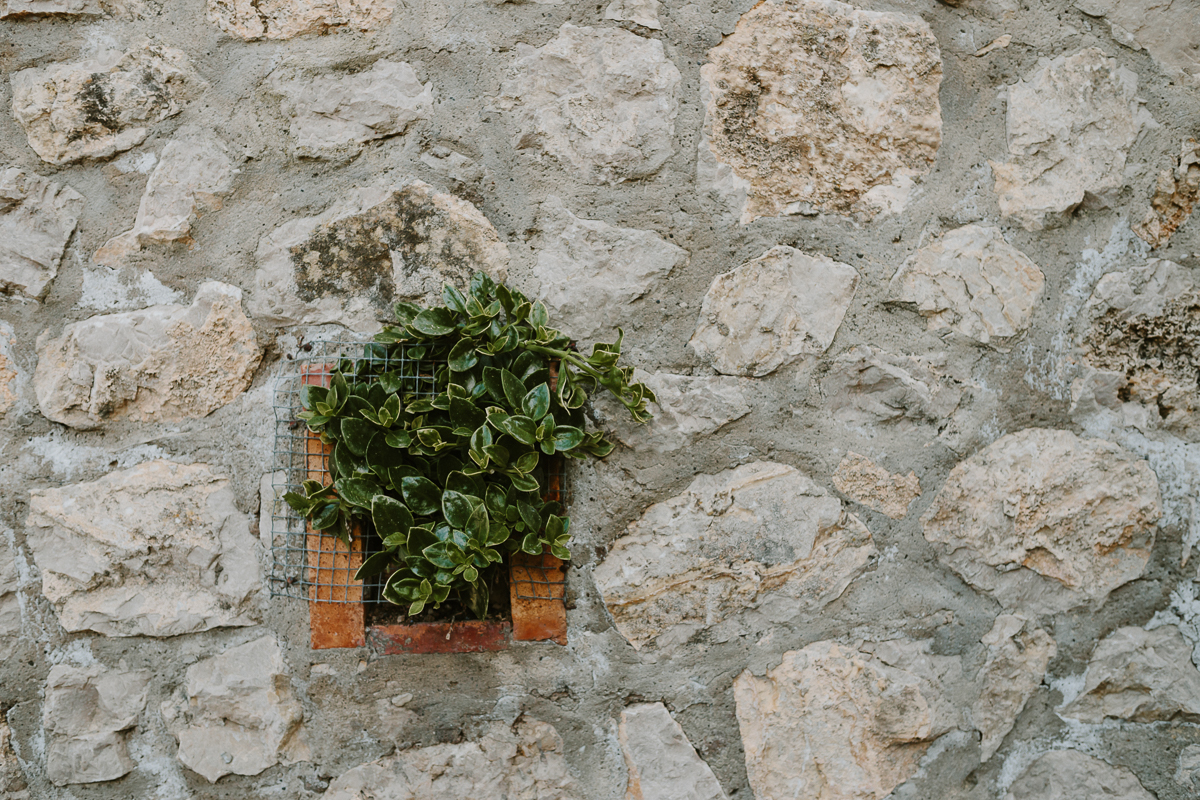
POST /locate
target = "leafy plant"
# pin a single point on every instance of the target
(439, 434)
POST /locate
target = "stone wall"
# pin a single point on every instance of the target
(914, 282)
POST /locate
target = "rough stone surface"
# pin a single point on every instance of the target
(10, 608)
(1071, 775)
(1070, 127)
(1167, 29)
(156, 550)
(94, 109)
(161, 364)
(1045, 521)
(661, 761)
(522, 760)
(1140, 676)
(236, 713)
(12, 778)
(760, 536)
(819, 105)
(869, 386)
(192, 177)
(1018, 653)
(9, 374)
(972, 282)
(591, 271)
(1176, 193)
(331, 116)
(688, 409)
(1188, 772)
(351, 263)
(864, 481)
(643, 12)
(285, 19)
(85, 714)
(45, 8)
(837, 722)
(37, 218)
(772, 311)
(601, 101)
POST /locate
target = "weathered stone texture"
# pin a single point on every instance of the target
(156, 550)
(1140, 676)
(10, 609)
(1018, 653)
(972, 282)
(1071, 775)
(236, 713)
(601, 101)
(760, 536)
(1176, 193)
(192, 177)
(1187, 774)
(591, 271)
(10, 9)
(688, 409)
(1070, 127)
(1167, 29)
(85, 715)
(772, 311)
(37, 218)
(864, 481)
(662, 763)
(868, 386)
(94, 109)
(9, 375)
(332, 116)
(12, 778)
(643, 12)
(817, 104)
(161, 364)
(524, 760)
(1045, 521)
(285, 19)
(351, 263)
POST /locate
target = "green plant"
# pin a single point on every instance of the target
(450, 477)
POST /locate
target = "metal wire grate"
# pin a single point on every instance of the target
(312, 566)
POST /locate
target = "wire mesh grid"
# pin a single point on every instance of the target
(309, 565)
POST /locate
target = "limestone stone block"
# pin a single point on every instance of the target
(1070, 126)
(192, 177)
(972, 282)
(37, 218)
(352, 262)
(1188, 772)
(10, 606)
(1018, 653)
(642, 12)
(236, 713)
(1140, 676)
(1168, 31)
(161, 364)
(760, 536)
(842, 723)
(524, 760)
(661, 761)
(156, 550)
(864, 481)
(688, 409)
(85, 715)
(9, 375)
(601, 101)
(867, 386)
(97, 108)
(591, 271)
(782, 306)
(1072, 775)
(1176, 193)
(286, 19)
(332, 115)
(10, 9)
(820, 106)
(12, 777)
(1045, 521)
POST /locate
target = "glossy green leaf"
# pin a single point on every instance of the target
(434, 322)
(357, 433)
(530, 515)
(454, 298)
(457, 508)
(465, 414)
(532, 544)
(390, 516)
(514, 389)
(477, 598)
(526, 463)
(567, 437)
(521, 428)
(462, 356)
(421, 495)
(375, 565)
(536, 403)
(439, 554)
(477, 525)
(358, 492)
(326, 517)
(522, 483)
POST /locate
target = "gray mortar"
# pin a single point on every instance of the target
(581, 689)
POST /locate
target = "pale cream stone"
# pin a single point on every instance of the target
(85, 715)
(1188, 772)
(864, 481)
(351, 263)
(12, 777)
(1167, 29)
(1045, 521)
(591, 271)
(1071, 775)
(972, 282)
(662, 763)
(161, 364)
(1018, 654)
(37, 218)
(10, 611)
(285, 19)
(10, 9)
(868, 386)
(818, 105)
(9, 375)
(1070, 127)
(782, 306)
(643, 12)
(156, 550)
(95, 109)
(1176, 193)
(762, 536)
(601, 101)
